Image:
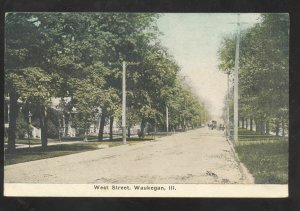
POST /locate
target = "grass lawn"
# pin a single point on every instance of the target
(266, 157)
(36, 153)
(51, 140)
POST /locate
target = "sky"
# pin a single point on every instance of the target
(193, 39)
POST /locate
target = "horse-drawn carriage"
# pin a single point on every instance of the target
(212, 125)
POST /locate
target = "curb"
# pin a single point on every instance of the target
(247, 177)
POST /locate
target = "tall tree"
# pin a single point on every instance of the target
(263, 69)
(24, 50)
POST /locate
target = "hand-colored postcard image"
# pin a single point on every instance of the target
(146, 104)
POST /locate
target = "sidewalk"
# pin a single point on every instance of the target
(22, 146)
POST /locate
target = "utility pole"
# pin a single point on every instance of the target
(124, 102)
(236, 80)
(167, 119)
(124, 65)
(228, 119)
(236, 77)
(184, 126)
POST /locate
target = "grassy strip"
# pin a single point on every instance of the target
(37, 153)
(50, 140)
(247, 135)
(90, 137)
(261, 138)
(267, 160)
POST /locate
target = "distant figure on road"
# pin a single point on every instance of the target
(212, 125)
(221, 127)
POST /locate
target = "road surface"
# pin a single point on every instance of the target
(200, 156)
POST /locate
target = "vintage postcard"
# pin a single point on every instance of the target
(146, 104)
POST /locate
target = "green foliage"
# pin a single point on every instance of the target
(32, 84)
(52, 130)
(263, 74)
(226, 55)
(75, 55)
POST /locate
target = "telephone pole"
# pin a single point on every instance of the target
(124, 102)
(236, 77)
(227, 116)
(167, 119)
(236, 80)
(124, 65)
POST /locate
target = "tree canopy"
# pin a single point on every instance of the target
(58, 55)
(263, 74)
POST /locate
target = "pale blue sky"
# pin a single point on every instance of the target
(193, 39)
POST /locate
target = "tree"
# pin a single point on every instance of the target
(34, 86)
(73, 54)
(263, 73)
(22, 49)
(130, 35)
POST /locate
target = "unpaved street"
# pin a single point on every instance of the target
(197, 156)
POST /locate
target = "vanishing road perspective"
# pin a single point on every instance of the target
(180, 158)
(146, 98)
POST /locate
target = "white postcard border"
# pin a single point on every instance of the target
(149, 190)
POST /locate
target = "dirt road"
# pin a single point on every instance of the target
(198, 156)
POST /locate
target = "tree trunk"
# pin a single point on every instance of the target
(247, 123)
(142, 128)
(111, 124)
(44, 127)
(128, 131)
(85, 134)
(263, 127)
(13, 115)
(277, 128)
(67, 124)
(251, 124)
(257, 126)
(101, 127)
(243, 120)
(282, 125)
(268, 128)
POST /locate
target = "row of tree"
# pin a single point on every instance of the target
(263, 74)
(76, 55)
